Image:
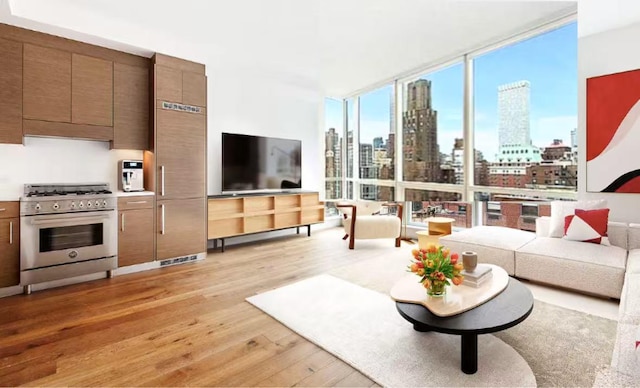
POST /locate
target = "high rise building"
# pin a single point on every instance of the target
(350, 154)
(378, 142)
(513, 114)
(420, 131)
(333, 165)
(457, 157)
(515, 152)
(574, 138)
(367, 169)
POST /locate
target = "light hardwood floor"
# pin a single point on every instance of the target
(176, 326)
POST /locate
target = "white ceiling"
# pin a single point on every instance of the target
(339, 46)
(598, 15)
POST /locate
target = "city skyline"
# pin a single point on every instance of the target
(553, 80)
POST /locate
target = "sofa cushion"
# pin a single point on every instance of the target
(561, 209)
(634, 236)
(610, 256)
(494, 244)
(492, 236)
(633, 262)
(591, 268)
(630, 300)
(587, 226)
(626, 356)
(618, 234)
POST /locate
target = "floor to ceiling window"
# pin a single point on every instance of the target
(525, 104)
(432, 148)
(334, 119)
(524, 109)
(376, 137)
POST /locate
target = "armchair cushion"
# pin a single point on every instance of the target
(363, 207)
(370, 227)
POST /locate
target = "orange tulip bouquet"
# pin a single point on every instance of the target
(436, 267)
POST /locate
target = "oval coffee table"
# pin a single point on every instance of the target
(505, 310)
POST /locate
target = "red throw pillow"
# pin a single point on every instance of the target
(587, 226)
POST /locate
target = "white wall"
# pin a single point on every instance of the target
(602, 53)
(49, 160)
(251, 102)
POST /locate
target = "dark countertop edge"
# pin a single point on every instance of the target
(261, 194)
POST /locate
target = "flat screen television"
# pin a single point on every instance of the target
(257, 163)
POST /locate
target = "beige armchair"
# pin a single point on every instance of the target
(363, 221)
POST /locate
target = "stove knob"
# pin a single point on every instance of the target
(104, 203)
(97, 203)
(88, 203)
(38, 207)
(56, 206)
(81, 204)
(73, 205)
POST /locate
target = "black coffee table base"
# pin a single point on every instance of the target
(505, 310)
(469, 353)
(468, 349)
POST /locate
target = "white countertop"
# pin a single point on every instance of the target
(133, 193)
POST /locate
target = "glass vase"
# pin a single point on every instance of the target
(437, 289)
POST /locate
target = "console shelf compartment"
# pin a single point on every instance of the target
(241, 215)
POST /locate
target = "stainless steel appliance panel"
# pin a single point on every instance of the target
(55, 239)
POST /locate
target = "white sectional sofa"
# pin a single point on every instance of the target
(595, 269)
(625, 361)
(610, 271)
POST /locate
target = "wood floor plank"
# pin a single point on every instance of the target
(355, 379)
(176, 326)
(328, 376)
(299, 371)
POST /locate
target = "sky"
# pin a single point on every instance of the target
(549, 62)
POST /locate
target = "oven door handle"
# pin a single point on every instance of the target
(69, 220)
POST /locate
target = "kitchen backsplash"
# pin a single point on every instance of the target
(53, 160)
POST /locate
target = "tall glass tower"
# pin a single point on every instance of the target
(513, 114)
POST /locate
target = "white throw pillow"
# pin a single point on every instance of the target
(561, 209)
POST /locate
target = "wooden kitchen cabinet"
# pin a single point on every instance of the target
(135, 230)
(9, 244)
(194, 89)
(91, 91)
(181, 228)
(178, 161)
(131, 107)
(10, 92)
(46, 84)
(180, 154)
(168, 84)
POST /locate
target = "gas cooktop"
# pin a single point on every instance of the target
(66, 198)
(52, 190)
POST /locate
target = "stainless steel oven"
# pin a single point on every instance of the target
(67, 235)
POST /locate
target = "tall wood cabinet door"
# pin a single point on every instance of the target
(168, 84)
(9, 252)
(194, 89)
(10, 92)
(181, 154)
(46, 84)
(131, 107)
(91, 91)
(135, 237)
(181, 228)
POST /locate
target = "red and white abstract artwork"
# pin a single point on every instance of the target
(613, 133)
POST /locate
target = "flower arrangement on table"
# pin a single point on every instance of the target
(436, 266)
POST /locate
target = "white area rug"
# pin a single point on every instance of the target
(363, 328)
